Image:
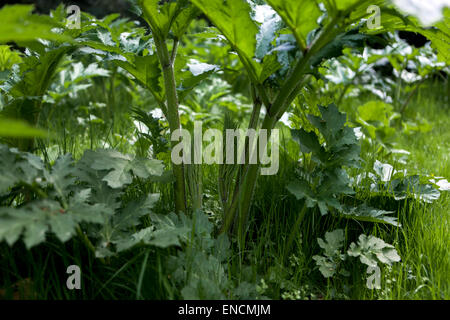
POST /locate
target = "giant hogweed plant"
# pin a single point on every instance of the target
(282, 52)
(279, 54)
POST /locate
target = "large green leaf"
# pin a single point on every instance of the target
(300, 16)
(147, 71)
(308, 141)
(372, 250)
(30, 89)
(160, 17)
(18, 24)
(8, 57)
(122, 166)
(18, 167)
(332, 245)
(19, 129)
(365, 213)
(232, 18)
(62, 175)
(39, 217)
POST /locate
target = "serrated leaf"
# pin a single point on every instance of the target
(334, 241)
(61, 175)
(183, 20)
(270, 25)
(300, 16)
(169, 230)
(35, 234)
(233, 19)
(160, 16)
(270, 65)
(308, 141)
(326, 267)
(141, 236)
(332, 246)
(369, 214)
(147, 71)
(133, 211)
(18, 24)
(63, 226)
(300, 189)
(372, 250)
(122, 165)
(118, 163)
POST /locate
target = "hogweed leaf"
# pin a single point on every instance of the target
(372, 250)
(300, 16)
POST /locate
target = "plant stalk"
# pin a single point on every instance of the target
(172, 116)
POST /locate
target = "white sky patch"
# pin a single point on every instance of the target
(141, 127)
(157, 113)
(285, 119)
(263, 13)
(428, 11)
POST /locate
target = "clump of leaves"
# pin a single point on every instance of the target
(330, 263)
(371, 251)
(399, 184)
(200, 270)
(376, 118)
(322, 179)
(67, 195)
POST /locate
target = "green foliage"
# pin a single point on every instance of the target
(19, 25)
(375, 118)
(330, 262)
(300, 16)
(231, 18)
(350, 39)
(56, 206)
(372, 250)
(162, 17)
(399, 184)
(18, 129)
(256, 61)
(123, 166)
(321, 181)
(8, 58)
(69, 194)
(201, 269)
(369, 214)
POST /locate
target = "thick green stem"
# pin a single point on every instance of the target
(241, 202)
(242, 199)
(172, 116)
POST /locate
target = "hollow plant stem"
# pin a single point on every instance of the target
(173, 118)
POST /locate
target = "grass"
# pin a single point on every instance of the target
(422, 242)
